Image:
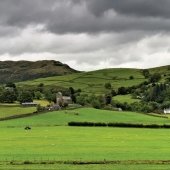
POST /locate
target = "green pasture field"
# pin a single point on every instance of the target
(58, 118)
(50, 140)
(7, 110)
(125, 98)
(90, 82)
(85, 144)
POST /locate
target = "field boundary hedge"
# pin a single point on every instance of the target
(116, 124)
(76, 162)
(156, 115)
(21, 116)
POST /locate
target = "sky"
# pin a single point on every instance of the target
(87, 34)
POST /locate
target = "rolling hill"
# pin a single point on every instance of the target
(94, 81)
(13, 71)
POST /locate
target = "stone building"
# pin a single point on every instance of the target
(62, 100)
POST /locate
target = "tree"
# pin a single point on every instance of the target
(82, 99)
(157, 93)
(96, 104)
(50, 96)
(108, 85)
(155, 77)
(72, 94)
(38, 95)
(131, 77)
(72, 91)
(113, 92)
(94, 101)
(40, 87)
(108, 99)
(122, 91)
(146, 73)
(154, 105)
(8, 96)
(154, 93)
(165, 104)
(11, 85)
(73, 98)
(25, 96)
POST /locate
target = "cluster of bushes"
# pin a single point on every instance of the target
(153, 78)
(129, 125)
(106, 102)
(135, 107)
(95, 101)
(155, 97)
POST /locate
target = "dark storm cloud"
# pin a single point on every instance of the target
(87, 34)
(151, 8)
(87, 16)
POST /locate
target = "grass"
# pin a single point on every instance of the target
(46, 142)
(84, 144)
(7, 110)
(94, 81)
(85, 167)
(58, 118)
(125, 98)
(50, 139)
(42, 102)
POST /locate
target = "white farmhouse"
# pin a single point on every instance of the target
(166, 111)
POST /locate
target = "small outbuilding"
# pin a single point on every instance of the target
(29, 104)
(167, 111)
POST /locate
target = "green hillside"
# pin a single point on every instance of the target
(13, 71)
(94, 81)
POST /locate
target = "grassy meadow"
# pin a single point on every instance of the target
(51, 140)
(7, 110)
(125, 98)
(61, 118)
(85, 144)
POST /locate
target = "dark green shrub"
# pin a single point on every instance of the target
(100, 124)
(108, 85)
(131, 77)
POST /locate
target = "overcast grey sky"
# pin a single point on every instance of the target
(87, 34)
